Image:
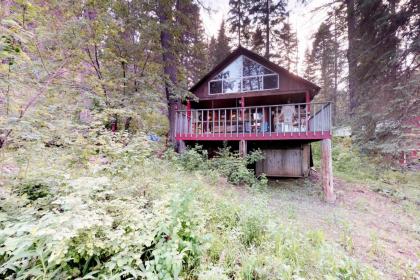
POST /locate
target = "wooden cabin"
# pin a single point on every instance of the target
(253, 103)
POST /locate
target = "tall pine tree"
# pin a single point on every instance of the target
(267, 14)
(222, 48)
(239, 21)
(286, 54)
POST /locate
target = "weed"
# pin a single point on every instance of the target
(34, 189)
(346, 239)
(375, 247)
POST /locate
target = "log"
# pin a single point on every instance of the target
(326, 171)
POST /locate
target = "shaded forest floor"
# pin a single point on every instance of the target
(374, 228)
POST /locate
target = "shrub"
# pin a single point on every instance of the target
(194, 159)
(33, 189)
(227, 163)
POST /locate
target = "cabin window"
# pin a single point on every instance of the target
(243, 75)
(271, 81)
(215, 87)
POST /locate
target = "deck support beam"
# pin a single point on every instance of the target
(326, 171)
(243, 145)
(181, 146)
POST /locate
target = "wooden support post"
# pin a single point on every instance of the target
(243, 147)
(181, 146)
(326, 170)
(308, 102)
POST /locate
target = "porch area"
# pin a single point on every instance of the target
(306, 121)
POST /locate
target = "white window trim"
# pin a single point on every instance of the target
(241, 77)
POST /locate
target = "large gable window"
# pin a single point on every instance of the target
(243, 75)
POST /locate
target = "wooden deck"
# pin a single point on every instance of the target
(310, 122)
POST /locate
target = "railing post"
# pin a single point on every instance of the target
(330, 112)
(269, 120)
(230, 124)
(188, 112)
(218, 119)
(308, 101)
(237, 122)
(212, 121)
(263, 120)
(225, 121)
(197, 122)
(191, 123)
(314, 120)
(277, 119)
(176, 122)
(250, 121)
(283, 127)
(322, 119)
(299, 122)
(207, 122)
(307, 116)
(203, 123)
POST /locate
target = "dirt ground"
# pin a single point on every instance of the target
(375, 229)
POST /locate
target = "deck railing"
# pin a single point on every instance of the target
(258, 121)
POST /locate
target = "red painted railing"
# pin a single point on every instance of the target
(286, 121)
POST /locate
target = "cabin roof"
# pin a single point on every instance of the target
(258, 58)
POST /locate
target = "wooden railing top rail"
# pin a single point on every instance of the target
(259, 106)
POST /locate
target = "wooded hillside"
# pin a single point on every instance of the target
(90, 185)
(142, 56)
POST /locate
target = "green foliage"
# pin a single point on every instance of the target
(33, 189)
(138, 216)
(253, 228)
(235, 168)
(226, 163)
(194, 159)
(349, 163)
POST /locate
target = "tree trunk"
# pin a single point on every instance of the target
(352, 54)
(169, 68)
(239, 23)
(336, 50)
(267, 30)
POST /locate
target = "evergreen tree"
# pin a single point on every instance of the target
(212, 51)
(258, 41)
(193, 52)
(269, 14)
(239, 20)
(309, 63)
(222, 48)
(287, 47)
(323, 60)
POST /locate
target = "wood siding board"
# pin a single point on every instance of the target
(281, 162)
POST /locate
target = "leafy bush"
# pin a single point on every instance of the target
(194, 159)
(235, 167)
(227, 163)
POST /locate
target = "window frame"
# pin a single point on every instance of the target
(241, 78)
